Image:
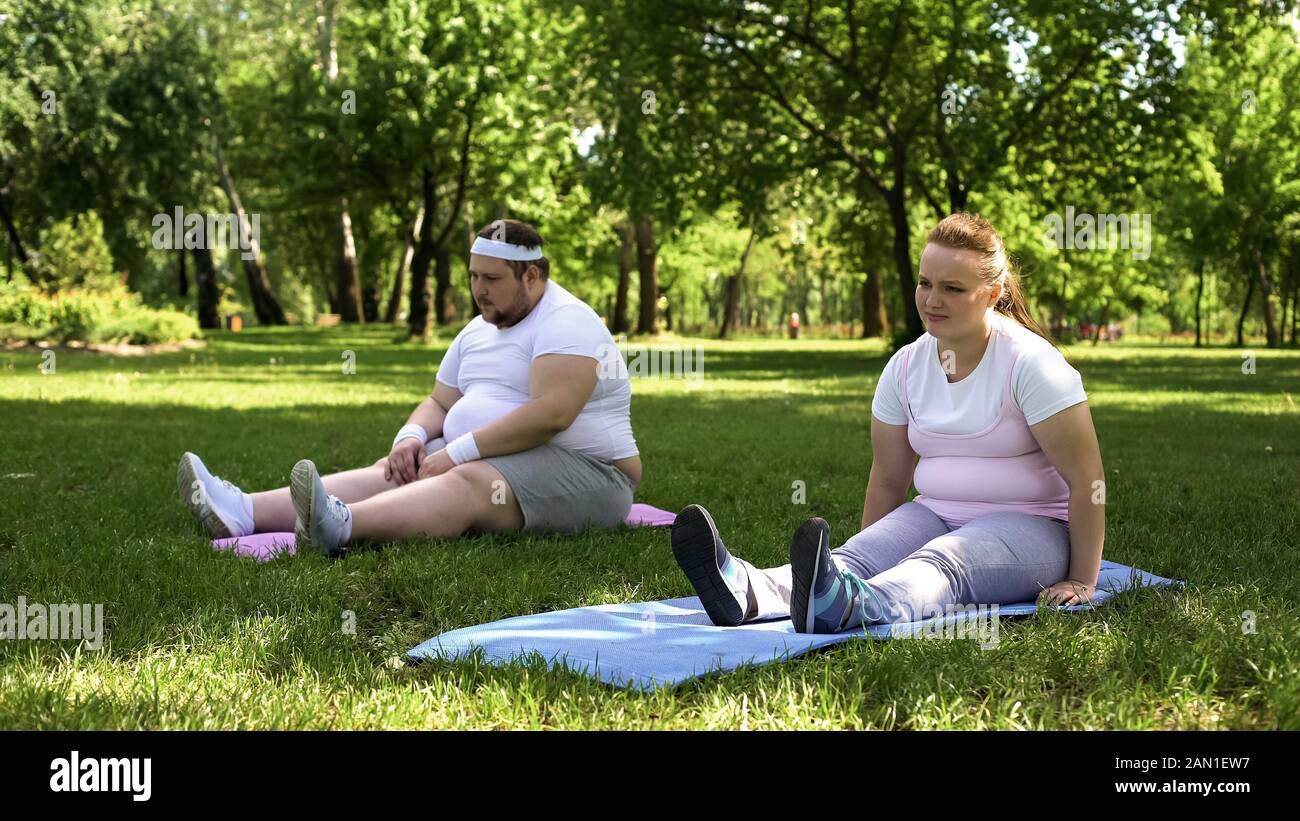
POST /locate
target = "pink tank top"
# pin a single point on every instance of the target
(964, 475)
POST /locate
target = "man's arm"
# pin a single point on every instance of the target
(432, 412)
(559, 386)
(407, 455)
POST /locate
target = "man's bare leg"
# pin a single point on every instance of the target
(470, 496)
(273, 509)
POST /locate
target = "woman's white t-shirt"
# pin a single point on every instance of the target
(1042, 383)
(489, 366)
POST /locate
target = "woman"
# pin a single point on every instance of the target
(1011, 500)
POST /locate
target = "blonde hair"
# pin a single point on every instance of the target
(971, 232)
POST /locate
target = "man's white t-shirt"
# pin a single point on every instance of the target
(1042, 383)
(489, 366)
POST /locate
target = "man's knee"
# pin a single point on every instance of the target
(477, 477)
(487, 496)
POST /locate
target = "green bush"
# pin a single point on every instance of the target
(144, 326)
(74, 255)
(102, 316)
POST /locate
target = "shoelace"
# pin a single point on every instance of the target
(861, 591)
(340, 508)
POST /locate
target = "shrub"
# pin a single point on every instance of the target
(74, 255)
(112, 315)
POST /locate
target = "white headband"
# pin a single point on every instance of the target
(505, 250)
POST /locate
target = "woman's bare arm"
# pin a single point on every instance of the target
(1069, 441)
(892, 463)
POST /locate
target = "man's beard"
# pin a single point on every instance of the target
(508, 317)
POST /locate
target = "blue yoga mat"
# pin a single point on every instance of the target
(653, 644)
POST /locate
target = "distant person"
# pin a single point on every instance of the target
(1008, 474)
(523, 430)
(793, 325)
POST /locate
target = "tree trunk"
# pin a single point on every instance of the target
(1266, 298)
(259, 287)
(1295, 292)
(626, 255)
(205, 283)
(327, 285)
(403, 267)
(805, 317)
(1245, 306)
(1286, 317)
(824, 300)
(348, 279)
(421, 288)
(730, 306)
(1215, 304)
(733, 288)
(1105, 314)
(1295, 313)
(441, 244)
(1200, 290)
(14, 241)
(1064, 305)
(903, 261)
(647, 322)
(873, 305)
(471, 234)
(184, 280)
(444, 308)
(370, 298)
(372, 286)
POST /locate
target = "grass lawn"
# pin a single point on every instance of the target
(198, 639)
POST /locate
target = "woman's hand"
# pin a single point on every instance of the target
(436, 464)
(1067, 592)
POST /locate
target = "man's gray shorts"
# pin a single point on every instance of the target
(561, 490)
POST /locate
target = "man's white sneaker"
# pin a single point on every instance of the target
(223, 508)
(324, 522)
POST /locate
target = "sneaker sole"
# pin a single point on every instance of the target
(805, 554)
(694, 539)
(185, 479)
(302, 492)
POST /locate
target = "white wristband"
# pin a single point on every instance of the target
(462, 449)
(411, 431)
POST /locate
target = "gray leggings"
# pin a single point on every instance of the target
(913, 561)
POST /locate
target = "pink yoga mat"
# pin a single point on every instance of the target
(648, 516)
(267, 546)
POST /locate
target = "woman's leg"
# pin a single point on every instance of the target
(999, 558)
(889, 540)
(884, 544)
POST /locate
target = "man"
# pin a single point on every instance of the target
(525, 430)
